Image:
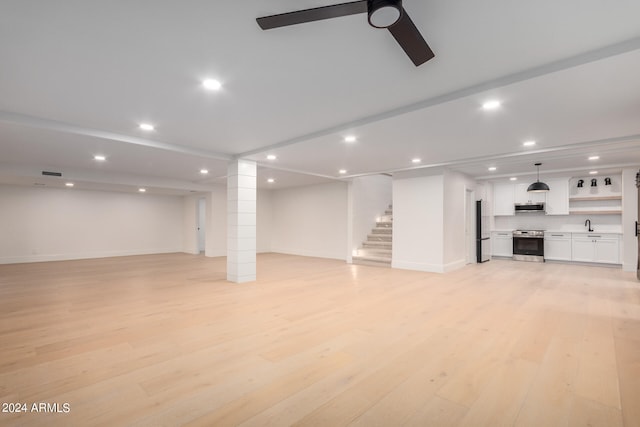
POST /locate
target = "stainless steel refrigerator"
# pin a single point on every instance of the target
(483, 235)
(638, 226)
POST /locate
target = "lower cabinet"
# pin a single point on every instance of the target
(557, 246)
(583, 249)
(607, 250)
(601, 248)
(501, 244)
(596, 247)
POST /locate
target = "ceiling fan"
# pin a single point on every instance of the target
(387, 14)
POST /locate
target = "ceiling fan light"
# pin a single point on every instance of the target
(384, 13)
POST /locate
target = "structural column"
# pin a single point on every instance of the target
(241, 221)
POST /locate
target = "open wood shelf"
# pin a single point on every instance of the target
(596, 212)
(594, 198)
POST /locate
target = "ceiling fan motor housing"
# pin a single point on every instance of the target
(384, 13)
(387, 14)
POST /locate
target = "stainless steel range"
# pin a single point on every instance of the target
(528, 245)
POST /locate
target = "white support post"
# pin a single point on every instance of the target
(241, 221)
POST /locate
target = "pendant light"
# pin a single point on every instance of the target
(538, 187)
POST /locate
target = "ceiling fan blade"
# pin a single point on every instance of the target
(310, 15)
(410, 39)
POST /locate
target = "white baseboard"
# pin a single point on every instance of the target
(455, 265)
(431, 268)
(85, 255)
(418, 266)
(302, 252)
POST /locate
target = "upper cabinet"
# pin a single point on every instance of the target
(558, 197)
(506, 195)
(503, 199)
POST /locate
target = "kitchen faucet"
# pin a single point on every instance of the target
(588, 222)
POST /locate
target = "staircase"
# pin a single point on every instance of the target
(376, 250)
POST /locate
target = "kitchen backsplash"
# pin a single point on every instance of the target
(599, 223)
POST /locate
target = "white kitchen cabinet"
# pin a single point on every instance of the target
(557, 246)
(607, 251)
(558, 197)
(501, 243)
(596, 247)
(503, 199)
(582, 249)
(523, 196)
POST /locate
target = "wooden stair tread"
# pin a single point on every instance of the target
(379, 238)
(382, 230)
(376, 244)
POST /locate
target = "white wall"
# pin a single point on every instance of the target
(369, 197)
(455, 243)
(418, 222)
(310, 220)
(190, 224)
(202, 224)
(429, 210)
(216, 237)
(46, 224)
(264, 207)
(629, 217)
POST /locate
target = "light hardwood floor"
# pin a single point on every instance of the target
(165, 340)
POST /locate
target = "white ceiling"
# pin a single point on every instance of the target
(78, 77)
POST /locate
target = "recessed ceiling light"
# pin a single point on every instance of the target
(491, 105)
(492, 168)
(342, 171)
(99, 158)
(529, 143)
(594, 157)
(513, 178)
(593, 172)
(204, 171)
(212, 84)
(271, 157)
(271, 180)
(416, 160)
(142, 190)
(350, 138)
(146, 126)
(69, 184)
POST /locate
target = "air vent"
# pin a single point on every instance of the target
(47, 173)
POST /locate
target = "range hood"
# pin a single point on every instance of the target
(529, 207)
